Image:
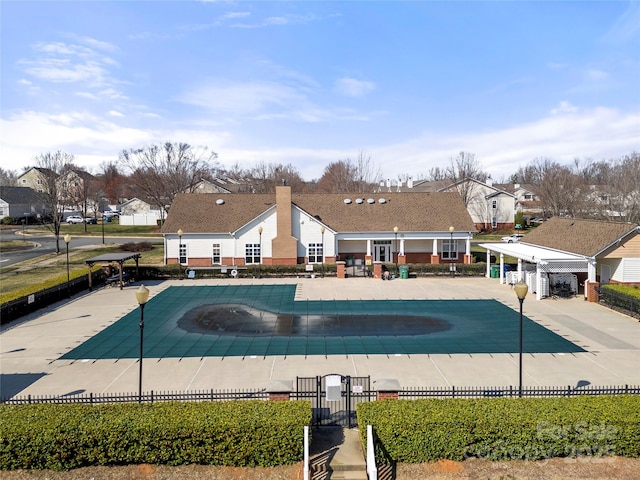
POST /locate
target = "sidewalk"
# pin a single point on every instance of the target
(30, 347)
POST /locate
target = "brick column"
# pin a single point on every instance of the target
(402, 259)
(387, 389)
(435, 259)
(377, 270)
(592, 294)
(340, 270)
(279, 390)
(468, 259)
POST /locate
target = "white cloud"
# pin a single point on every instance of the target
(115, 113)
(353, 87)
(564, 107)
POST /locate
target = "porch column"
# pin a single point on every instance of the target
(368, 259)
(402, 259)
(435, 258)
(520, 275)
(501, 268)
(488, 274)
(538, 283)
(467, 255)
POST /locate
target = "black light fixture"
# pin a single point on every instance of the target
(142, 296)
(521, 289)
(67, 239)
(260, 259)
(452, 266)
(103, 228)
(180, 232)
(395, 247)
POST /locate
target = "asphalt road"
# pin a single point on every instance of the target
(46, 244)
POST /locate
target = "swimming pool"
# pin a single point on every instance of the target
(266, 320)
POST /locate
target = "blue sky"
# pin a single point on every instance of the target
(412, 84)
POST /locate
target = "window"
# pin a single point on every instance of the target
(449, 249)
(252, 253)
(315, 253)
(39, 181)
(494, 222)
(216, 256)
(24, 180)
(528, 196)
(494, 204)
(183, 254)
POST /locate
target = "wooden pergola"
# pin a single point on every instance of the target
(118, 258)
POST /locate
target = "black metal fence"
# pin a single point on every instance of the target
(354, 390)
(619, 301)
(146, 397)
(510, 391)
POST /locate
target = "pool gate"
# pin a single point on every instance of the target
(334, 397)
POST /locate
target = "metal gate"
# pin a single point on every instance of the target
(334, 397)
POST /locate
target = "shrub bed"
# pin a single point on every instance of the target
(418, 431)
(63, 437)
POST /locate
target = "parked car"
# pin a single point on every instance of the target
(72, 219)
(512, 238)
(91, 220)
(111, 213)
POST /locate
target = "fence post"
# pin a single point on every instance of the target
(279, 390)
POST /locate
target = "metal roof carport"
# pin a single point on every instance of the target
(546, 260)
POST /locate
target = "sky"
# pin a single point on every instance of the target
(408, 84)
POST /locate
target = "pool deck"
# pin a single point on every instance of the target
(30, 348)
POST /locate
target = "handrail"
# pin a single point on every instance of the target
(305, 469)
(372, 470)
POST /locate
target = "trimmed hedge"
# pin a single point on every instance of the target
(417, 431)
(62, 437)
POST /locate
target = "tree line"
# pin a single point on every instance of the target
(606, 189)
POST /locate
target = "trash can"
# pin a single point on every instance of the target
(404, 271)
(495, 272)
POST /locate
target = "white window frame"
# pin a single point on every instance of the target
(252, 254)
(315, 253)
(445, 249)
(183, 258)
(216, 253)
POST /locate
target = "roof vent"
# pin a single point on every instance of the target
(359, 201)
(370, 200)
(382, 200)
(347, 201)
(219, 201)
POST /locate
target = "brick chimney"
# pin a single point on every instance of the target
(284, 246)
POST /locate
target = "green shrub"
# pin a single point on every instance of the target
(502, 429)
(62, 437)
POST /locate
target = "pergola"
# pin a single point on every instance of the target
(118, 258)
(546, 261)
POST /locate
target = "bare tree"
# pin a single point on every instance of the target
(111, 181)
(50, 166)
(625, 182)
(266, 176)
(8, 177)
(162, 171)
(350, 176)
(465, 167)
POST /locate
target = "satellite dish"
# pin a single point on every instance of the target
(359, 201)
(382, 200)
(219, 201)
(370, 200)
(347, 201)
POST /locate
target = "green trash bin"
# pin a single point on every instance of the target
(404, 271)
(495, 272)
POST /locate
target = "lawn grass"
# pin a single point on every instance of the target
(49, 270)
(111, 229)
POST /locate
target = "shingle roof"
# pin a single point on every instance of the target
(19, 195)
(584, 237)
(410, 212)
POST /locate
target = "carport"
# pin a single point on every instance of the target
(118, 258)
(547, 262)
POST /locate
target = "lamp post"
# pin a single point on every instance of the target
(395, 247)
(521, 289)
(180, 232)
(451, 264)
(260, 259)
(67, 239)
(322, 258)
(103, 228)
(142, 295)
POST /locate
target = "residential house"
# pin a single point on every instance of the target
(35, 178)
(526, 200)
(20, 202)
(77, 191)
(139, 212)
(586, 252)
(219, 185)
(288, 229)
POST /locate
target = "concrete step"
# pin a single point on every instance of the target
(336, 454)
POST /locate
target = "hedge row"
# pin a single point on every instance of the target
(427, 430)
(62, 437)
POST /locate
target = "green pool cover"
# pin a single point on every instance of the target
(265, 320)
